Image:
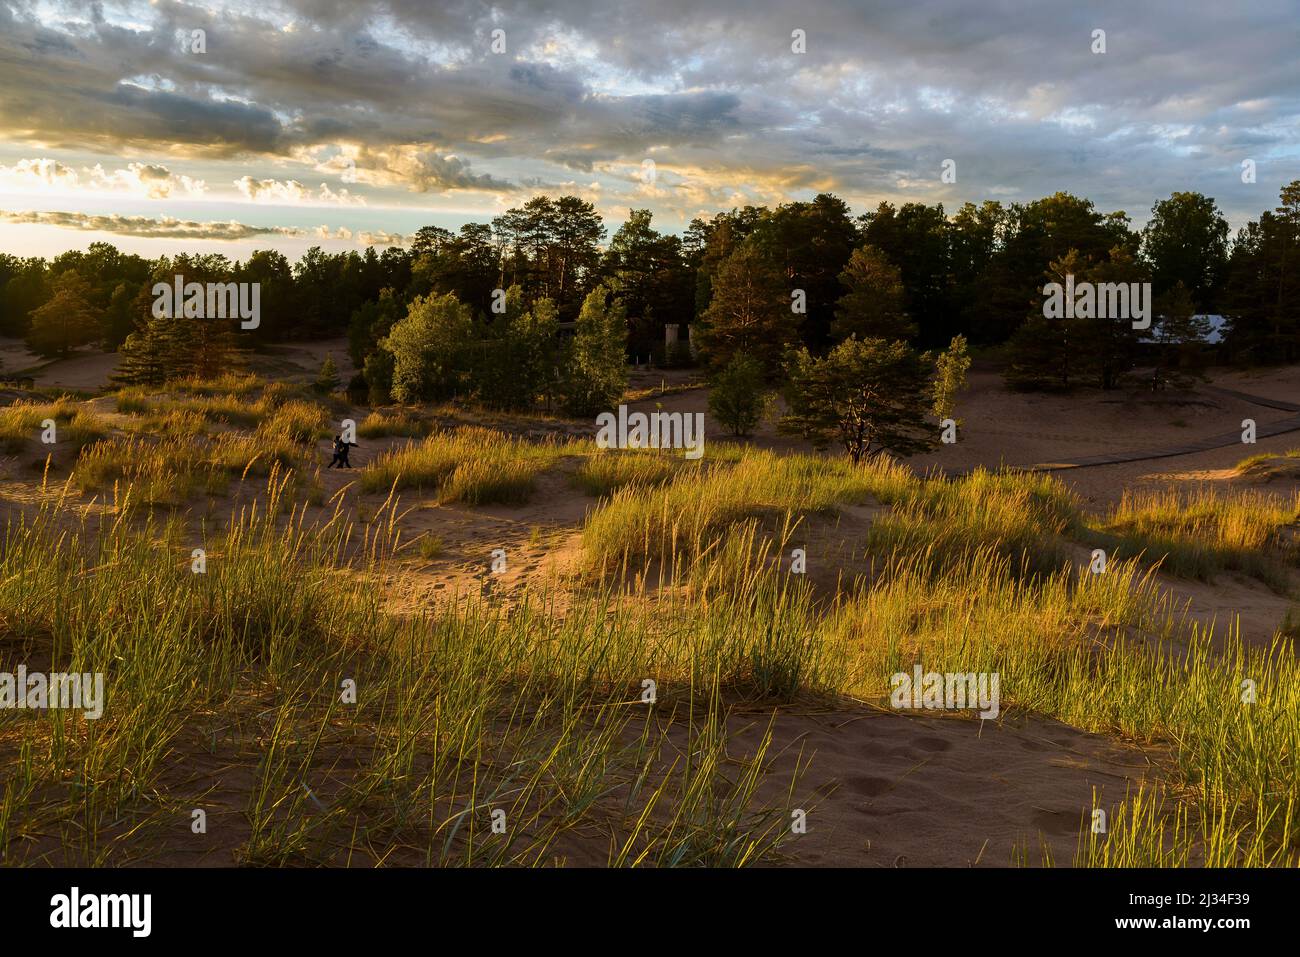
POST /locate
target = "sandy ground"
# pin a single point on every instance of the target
(1001, 427)
(876, 788)
(90, 371)
(882, 789)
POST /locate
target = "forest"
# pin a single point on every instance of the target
(756, 280)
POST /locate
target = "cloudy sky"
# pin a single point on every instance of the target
(343, 123)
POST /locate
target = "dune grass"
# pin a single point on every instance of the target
(473, 465)
(1021, 516)
(297, 421)
(173, 422)
(971, 576)
(1228, 714)
(229, 409)
(470, 708)
(229, 384)
(22, 423)
(1269, 465)
(682, 519)
(456, 716)
(194, 437)
(1202, 533)
(608, 470)
(233, 400)
(171, 470)
(166, 472)
(378, 425)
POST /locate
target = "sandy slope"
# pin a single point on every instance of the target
(892, 790)
(883, 789)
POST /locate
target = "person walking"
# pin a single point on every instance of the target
(341, 450)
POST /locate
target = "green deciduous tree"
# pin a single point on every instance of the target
(370, 322)
(378, 373)
(1186, 241)
(428, 346)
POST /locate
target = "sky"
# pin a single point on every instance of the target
(343, 124)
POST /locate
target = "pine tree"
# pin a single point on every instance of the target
(738, 398)
(166, 348)
(595, 373)
(142, 362)
(1179, 333)
(1046, 353)
(875, 307)
(950, 377)
(869, 395)
(327, 379)
(211, 349)
(67, 321)
(1038, 355)
(749, 312)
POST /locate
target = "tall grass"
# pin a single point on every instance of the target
(21, 424)
(172, 469)
(685, 518)
(608, 470)
(457, 714)
(1020, 516)
(972, 577)
(378, 425)
(231, 409)
(1202, 533)
(473, 707)
(1061, 645)
(472, 465)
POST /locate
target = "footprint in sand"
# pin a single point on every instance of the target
(928, 743)
(868, 786)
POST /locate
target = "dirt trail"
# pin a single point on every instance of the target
(1217, 441)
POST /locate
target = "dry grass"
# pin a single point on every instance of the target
(472, 465)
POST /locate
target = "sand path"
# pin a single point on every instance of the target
(1217, 441)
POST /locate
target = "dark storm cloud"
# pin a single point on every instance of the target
(884, 93)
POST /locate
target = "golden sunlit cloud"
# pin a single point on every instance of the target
(144, 180)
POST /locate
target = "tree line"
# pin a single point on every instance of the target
(759, 281)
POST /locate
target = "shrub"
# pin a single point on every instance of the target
(327, 380)
(738, 398)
